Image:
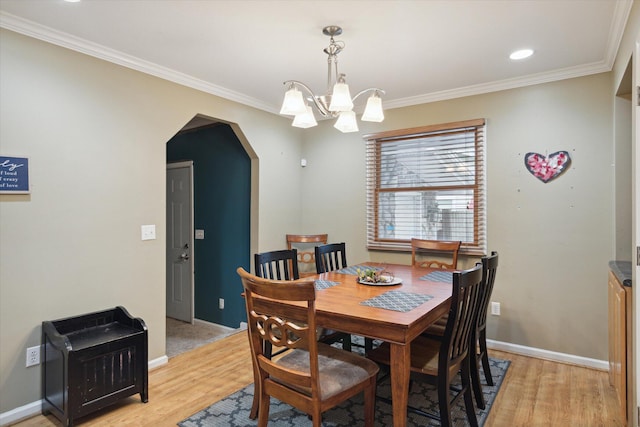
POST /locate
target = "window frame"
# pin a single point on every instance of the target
(374, 188)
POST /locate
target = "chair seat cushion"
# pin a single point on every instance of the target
(339, 369)
(438, 327)
(424, 355)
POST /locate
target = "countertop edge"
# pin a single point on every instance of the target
(622, 271)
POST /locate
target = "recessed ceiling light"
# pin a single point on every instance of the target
(72, 1)
(521, 54)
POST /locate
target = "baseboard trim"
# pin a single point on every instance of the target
(35, 408)
(205, 322)
(554, 356)
(158, 362)
(21, 413)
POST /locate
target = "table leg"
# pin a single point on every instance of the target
(400, 371)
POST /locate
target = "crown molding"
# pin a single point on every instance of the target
(616, 32)
(59, 38)
(47, 34)
(530, 80)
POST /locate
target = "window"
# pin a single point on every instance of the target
(427, 183)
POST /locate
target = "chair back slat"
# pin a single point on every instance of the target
(277, 265)
(330, 257)
(439, 247)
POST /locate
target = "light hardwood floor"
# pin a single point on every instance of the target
(534, 393)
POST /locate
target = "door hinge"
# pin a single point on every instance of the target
(638, 264)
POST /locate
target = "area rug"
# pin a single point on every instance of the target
(234, 409)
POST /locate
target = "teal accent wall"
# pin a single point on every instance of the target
(222, 192)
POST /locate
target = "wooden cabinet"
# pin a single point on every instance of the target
(620, 360)
(92, 361)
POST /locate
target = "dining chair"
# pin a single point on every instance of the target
(333, 257)
(489, 270)
(276, 265)
(279, 265)
(311, 376)
(441, 360)
(479, 338)
(282, 265)
(305, 244)
(441, 248)
(330, 257)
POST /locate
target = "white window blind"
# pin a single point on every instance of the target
(427, 183)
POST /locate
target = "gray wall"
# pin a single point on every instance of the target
(95, 134)
(554, 239)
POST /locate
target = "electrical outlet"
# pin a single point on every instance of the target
(495, 308)
(33, 356)
(221, 303)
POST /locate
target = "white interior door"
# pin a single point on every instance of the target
(180, 271)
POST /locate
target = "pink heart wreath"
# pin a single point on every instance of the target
(546, 168)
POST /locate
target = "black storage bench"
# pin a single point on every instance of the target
(92, 361)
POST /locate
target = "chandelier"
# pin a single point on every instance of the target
(337, 101)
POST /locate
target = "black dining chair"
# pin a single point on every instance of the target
(479, 338)
(277, 265)
(440, 360)
(330, 257)
(489, 269)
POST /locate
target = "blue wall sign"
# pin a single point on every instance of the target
(14, 175)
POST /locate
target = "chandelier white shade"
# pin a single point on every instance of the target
(373, 111)
(337, 102)
(305, 120)
(293, 103)
(346, 122)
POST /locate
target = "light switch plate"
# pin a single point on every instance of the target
(148, 232)
(199, 234)
(495, 308)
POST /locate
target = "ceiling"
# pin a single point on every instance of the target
(417, 51)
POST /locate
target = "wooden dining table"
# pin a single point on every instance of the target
(340, 307)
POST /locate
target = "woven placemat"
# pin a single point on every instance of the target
(397, 301)
(324, 284)
(353, 270)
(439, 276)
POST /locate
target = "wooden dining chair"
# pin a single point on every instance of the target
(305, 244)
(282, 265)
(311, 376)
(330, 257)
(278, 265)
(441, 360)
(441, 248)
(479, 339)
